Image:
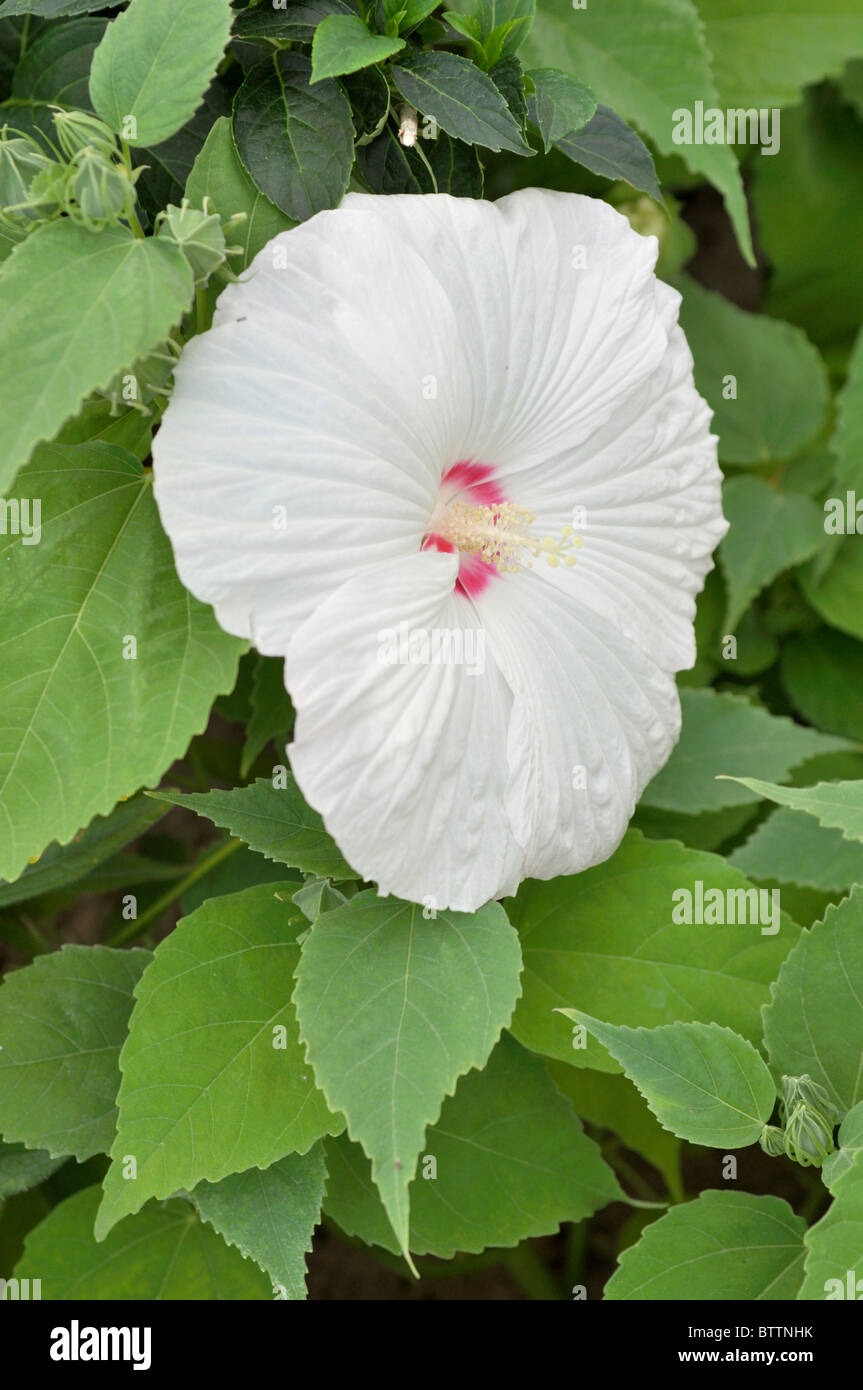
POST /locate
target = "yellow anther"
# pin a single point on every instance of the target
(500, 535)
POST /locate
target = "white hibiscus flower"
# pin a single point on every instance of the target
(404, 427)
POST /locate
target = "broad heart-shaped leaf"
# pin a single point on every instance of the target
(836, 804)
(463, 100)
(82, 725)
(848, 439)
(218, 174)
(342, 44)
(394, 1007)
(609, 147)
(561, 105)
(275, 821)
(790, 847)
(270, 1215)
(814, 1021)
(63, 1020)
(606, 939)
(297, 141)
(61, 865)
(823, 676)
(21, 1168)
(109, 297)
(214, 1080)
(761, 412)
(765, 55)
(834, 1245)
(510, 1161)
(154, 65)
(704, 1083)
(769, 532)
(163, 1253)
(721, 1246)
(721, 735)
(645, 59)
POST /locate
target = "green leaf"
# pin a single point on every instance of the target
(848, 1155)
(241, 869)
(837, 597)
(343, 44)
(297, 21)
(154, 65)
(561, 105)
(834, 1245)
(722, 732)
(390, 167)
(275, 821)
(163, 1254)
(793, 848)
(82, 725)
(848, 439)
(515, 16)
(721, 1246)
(609, 147)
(63, 1020)
(765, 55)
(645, 59)
(54, 9)
(270, 1215)
(607, 938)
(22, 1169)
(464, 101)
(704, 1083)
(510, 1161)
(835, 804)
(761, 414)
(109, 297)
(272, 715)
(56, 67)
(214, 1080)
(823, 676)
(218, 174)
(369, 95)
(394, 1006)
(61, 865)
(769, 532)
(814, 1021)
(296, 141)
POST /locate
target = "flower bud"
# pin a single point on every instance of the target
(21, 160)
(803, 1090)
(199, 236)
(78, 131)
(808, 1136)
(100, 191)
(772, 1140)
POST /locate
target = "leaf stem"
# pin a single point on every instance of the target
(205, 863)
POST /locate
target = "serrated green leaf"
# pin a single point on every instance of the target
(213, 1055)
(22, 1169)
(296, 21)
(723, 731)
(834, 1245)
(848, 439)
(764, 56)
(510, 1161)
(394, 1007)
(793, 848)
(163, 1254)
(63, 1020)
(369, 95)
(607, 938)
(82, 725)
(721, 1246)
(814, 1022)
(155, 63)
(54, 9)
(769, 532)
(609, 147)
(272, 714)
(61, 865)
(704, 1083)
(109, 296)
(837, 596)
(270, 1215)
(848, 1154)
(218, 174)
(464, 101)
(276, 822)
(343, 44)
(297, 141)
(515, 16)
(823, 676)
(645, 59)
(773, 413)
(56, 68)
(561, 105)
(834, 804)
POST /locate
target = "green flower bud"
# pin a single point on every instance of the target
(804, 1091)
(100, 192)
(198, 234)
(808, 1135)
(772, 1140)
(21, 160)
(78, 131)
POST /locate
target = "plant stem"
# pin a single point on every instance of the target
(205, 863)
(531, 1275)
